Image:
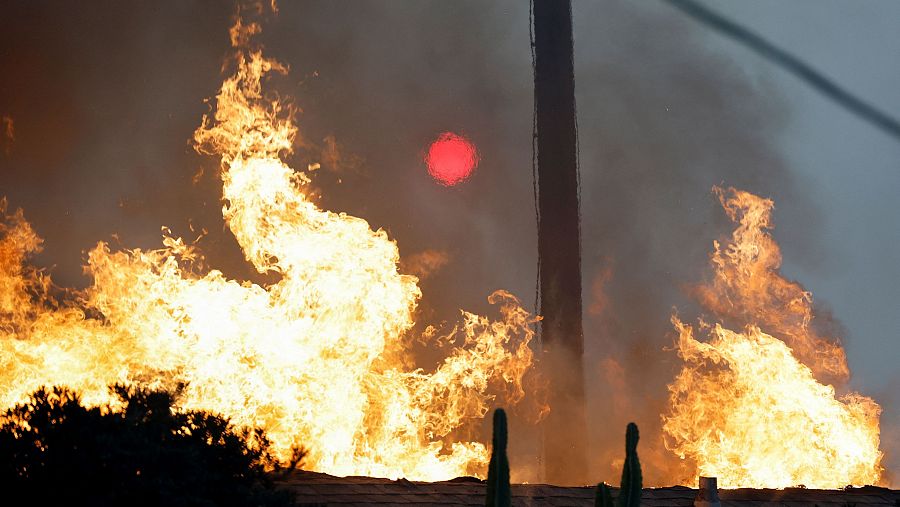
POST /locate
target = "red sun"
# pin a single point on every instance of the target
(451, 158)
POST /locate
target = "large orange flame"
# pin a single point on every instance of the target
(316, 359)
(748, 407)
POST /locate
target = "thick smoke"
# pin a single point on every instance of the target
(105, 97)
(662, 119)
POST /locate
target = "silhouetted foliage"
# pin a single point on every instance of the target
(54, 450)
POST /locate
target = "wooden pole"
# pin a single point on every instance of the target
(559, 242)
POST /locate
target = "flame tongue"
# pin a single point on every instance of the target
(747, 407)
(316, 359)
(747, 287)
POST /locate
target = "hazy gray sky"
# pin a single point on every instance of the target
(851, 168)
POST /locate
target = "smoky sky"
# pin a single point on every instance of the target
(104, 97)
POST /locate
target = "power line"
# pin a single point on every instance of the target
(792, 64)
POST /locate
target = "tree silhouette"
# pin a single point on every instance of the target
(54, 450)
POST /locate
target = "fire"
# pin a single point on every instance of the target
(317, 358)
(749, 407)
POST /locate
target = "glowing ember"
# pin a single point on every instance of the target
(318, 358)
(748, 407)
(451, 159)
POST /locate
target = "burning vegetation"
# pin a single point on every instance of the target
(317, 358)
(748, 407)
(320, 358)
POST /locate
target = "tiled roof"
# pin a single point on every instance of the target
(320, 490)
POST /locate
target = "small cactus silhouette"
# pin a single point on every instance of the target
(632, 482)
(603, 496)
(499, 493)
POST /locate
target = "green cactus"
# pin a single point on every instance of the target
(603, 496)
(632, 483)
(499, 493)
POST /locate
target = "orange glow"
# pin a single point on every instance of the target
(7, 133)
(317, 358)
(749, 407)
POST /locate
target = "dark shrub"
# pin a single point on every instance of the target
(54, 450)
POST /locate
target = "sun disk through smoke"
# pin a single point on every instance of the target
(451, 159)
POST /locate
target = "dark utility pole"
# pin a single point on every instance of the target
(559, 242)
